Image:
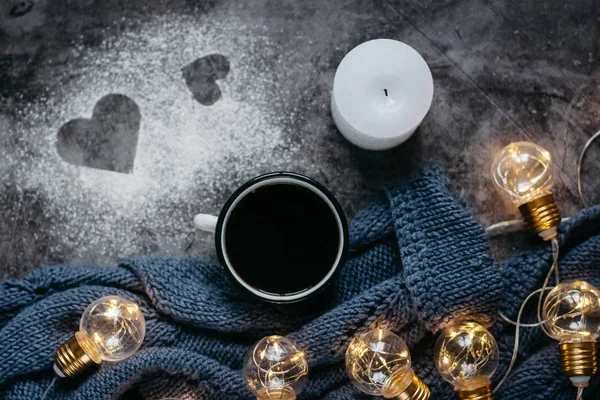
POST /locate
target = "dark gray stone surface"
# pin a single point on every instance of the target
(505, 70)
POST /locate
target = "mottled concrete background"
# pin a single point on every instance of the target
(121, 119)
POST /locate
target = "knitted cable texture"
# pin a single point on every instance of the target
(417, 261)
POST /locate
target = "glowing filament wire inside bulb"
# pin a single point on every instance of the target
(378, 362)
(275, 369)
(112, 328)
(572, 313)
(466, 355)
(520, 224)
(522, 172)
(115, 327)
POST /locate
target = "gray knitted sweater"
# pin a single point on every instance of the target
(417, 261)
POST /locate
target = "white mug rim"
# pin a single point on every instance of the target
(289, 180)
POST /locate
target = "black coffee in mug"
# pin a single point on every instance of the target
(282, 238)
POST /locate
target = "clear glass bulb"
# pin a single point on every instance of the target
(275, 368)
(374, 357)
(112, 328)
(466, 355)
(572, 312)
(523, 172)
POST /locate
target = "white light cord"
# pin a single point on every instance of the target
(517, 330)
(515, 323)
(553, 268)
(505, 224)
(518, 324)
(555, 253)
(587, 145)
(518, 223)
(49, 387)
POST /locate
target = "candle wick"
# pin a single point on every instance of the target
(385, 91)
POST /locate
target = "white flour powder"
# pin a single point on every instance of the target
(184, 148)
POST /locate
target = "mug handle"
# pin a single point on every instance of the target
(206, 222)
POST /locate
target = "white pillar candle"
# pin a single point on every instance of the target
(382, 90)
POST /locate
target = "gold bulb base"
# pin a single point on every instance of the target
(398, 390)
(478, 393)
(578, 359)
(542, 216)
(276, 394)
(71, 359)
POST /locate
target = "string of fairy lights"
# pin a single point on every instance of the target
(378, 361)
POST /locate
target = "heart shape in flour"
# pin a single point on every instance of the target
(20, 8)
(201, 76)
(106, 141)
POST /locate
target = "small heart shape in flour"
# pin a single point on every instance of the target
(106, 141)
(201, 76)
(20, 8)
(21, 18)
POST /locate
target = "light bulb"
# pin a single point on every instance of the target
(112, 328)
(275, 368)
(466, 355)
(523, 173)
(572, 316)
(378, 363)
